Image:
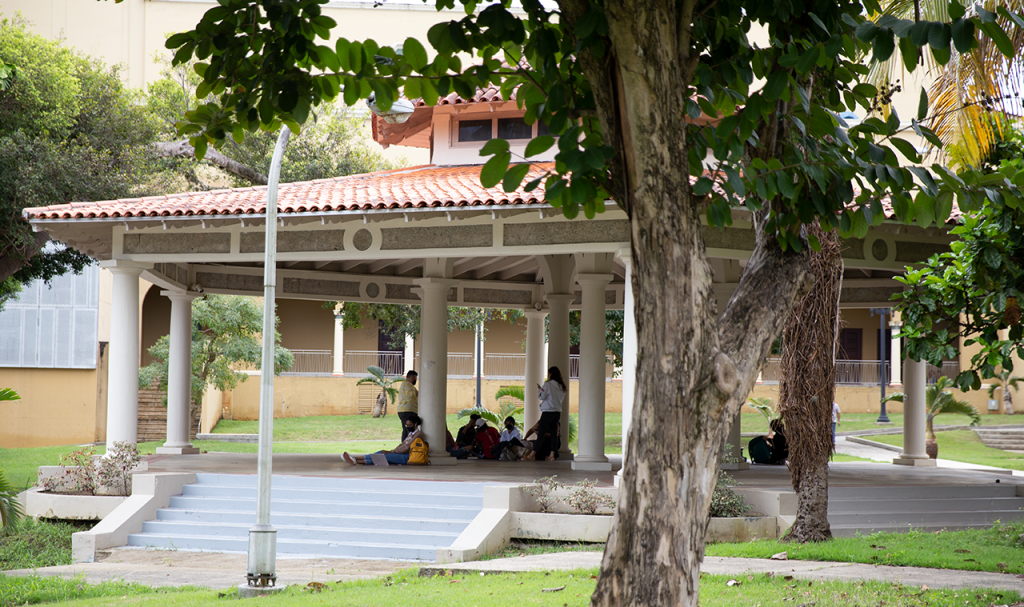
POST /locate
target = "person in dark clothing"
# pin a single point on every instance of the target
(465, 439)
(780, 449)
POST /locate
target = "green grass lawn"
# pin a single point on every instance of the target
(995, 549)
(754, 422)
(965, 446)
(556, 588)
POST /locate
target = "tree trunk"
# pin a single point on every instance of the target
(695, 368)
(807, 389)
(13, 258)
(1007, 400)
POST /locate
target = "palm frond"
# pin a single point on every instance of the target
(512, 391)
(763, 404)
(10, 508)
(8, 394)
(895, 396)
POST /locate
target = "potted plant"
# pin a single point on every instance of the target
(387, 389)
(937, 401)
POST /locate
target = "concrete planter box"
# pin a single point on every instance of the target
(71, 507)
(742, 529)
(562, 527)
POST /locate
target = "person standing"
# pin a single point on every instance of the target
(551, 395)
(836, 417)
(408, 401)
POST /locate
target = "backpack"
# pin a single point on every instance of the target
(419, 451)
(759, 449)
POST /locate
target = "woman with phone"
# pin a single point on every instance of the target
(551, 395)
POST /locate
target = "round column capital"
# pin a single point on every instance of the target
(181, 295)
(594, 279)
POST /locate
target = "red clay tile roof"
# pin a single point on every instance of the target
(410, 188)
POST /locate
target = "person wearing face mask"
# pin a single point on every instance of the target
(486, 440)
(398, 456)
(511, 445)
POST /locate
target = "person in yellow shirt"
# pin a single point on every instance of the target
(408, 401)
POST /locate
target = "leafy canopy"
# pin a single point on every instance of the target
(266, 63)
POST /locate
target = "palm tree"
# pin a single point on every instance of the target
(1005, 382)
(386, 384)
(969, 86)
(938, 400)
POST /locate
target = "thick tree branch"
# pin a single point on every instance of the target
(183, 149)
(13, 260)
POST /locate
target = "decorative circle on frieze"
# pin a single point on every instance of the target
(362, 240)
(879, 247)
(373, 290)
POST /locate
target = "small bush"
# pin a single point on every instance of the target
(724, 501)
(543, 491)
(77, 474)
(115, 472)
(583, 498)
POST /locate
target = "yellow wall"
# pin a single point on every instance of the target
(57, 407)
(305, 325)
(156, 322)
(298, 396)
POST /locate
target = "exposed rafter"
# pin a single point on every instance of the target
(519, 268)
(498, 265)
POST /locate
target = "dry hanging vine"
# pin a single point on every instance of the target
(807, 388)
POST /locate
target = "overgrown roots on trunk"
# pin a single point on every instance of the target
(807, 389)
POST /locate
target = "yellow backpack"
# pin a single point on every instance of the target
(419, 451)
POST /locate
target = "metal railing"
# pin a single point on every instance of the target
(460, 365)
(311, 362)
(949, 368)
(505, 366)
(860, 372)
(357, 361)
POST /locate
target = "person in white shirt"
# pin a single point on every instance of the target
(551, 395)
(511, 440)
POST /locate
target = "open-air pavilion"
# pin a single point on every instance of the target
(432, 236)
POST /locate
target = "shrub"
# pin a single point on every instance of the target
(115, 471)
(542, 491)
(77, 474)
(724, 501)
(585, 499)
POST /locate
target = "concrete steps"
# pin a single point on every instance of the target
(865, 510)
(326, 517)
(1008, 439)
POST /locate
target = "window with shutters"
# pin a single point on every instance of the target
(52, 326)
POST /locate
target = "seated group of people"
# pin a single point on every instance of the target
(479, 440)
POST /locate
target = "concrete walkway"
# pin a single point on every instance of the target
(860, 447)
(220, 571)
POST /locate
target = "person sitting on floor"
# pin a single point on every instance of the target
(399, 456)
(465, 439)
(511, 446)
(486, 440)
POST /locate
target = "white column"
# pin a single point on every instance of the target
(895, 355)
(734, 440)
(123, 371)
(534, 364)
(592, 374)
(410, 354)
(433, 372)
(558, 356)
(179, 375)
(914, 415)
(628, 355)
(339, 342)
